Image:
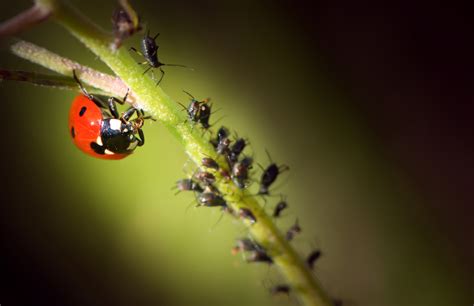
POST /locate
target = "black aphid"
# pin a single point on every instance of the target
(293, 231)
(198, 111)
(259, 255)
(206, 178)
(210, 163)
(247, 214)
(312, 258)
(211, 199)
(222, 134)
(188, 185)
(240, 172)
(279, 208)
(205, 115)
(280, 289)
(235, 150)
(150, 53)
(244, 245)
(269, 176)
(223, 146)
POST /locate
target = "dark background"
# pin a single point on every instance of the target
(370, 105)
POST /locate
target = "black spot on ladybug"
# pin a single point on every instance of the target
(82, 111)
(73, 132)
(97, 149)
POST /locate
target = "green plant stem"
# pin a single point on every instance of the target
(152, 99)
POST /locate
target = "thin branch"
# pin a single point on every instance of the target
(101, 81)
(23, 21)
(46, 80)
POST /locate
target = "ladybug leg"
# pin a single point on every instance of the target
(83, 89)
(113, 107)
(125, 97)
(98, 102)
(128, 113)
(141, 138)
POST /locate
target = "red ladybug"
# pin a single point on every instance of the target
(100, 131)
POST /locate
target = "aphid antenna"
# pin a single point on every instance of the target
(214, 111)
(191, 204)
(268, 155)
(178, 65)
(280, 184)
(220, 118)
(212, 228)
(183, 106)
(189, 167)
(260, 166)
(190, 95)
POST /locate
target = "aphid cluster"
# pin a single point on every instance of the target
(229, 162)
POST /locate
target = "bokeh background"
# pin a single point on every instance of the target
(370, 106)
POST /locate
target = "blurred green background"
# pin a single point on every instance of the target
(348, 101)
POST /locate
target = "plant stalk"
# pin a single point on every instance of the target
(153, 99)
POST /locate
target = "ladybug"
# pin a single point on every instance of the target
(98, 130)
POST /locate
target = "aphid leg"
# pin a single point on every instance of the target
(162, 75)
(146, 70)
(136, 51)
(217, 222)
